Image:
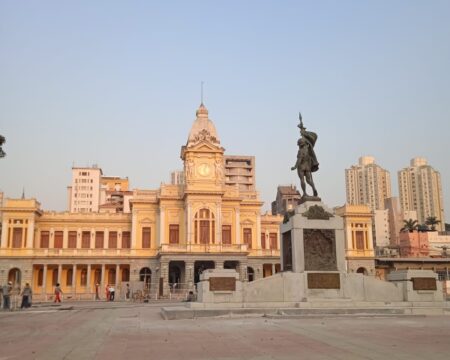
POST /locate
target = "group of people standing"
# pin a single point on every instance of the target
(7, 291)
(110, 292)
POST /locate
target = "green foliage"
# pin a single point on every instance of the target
(409, 225)
(432, 221)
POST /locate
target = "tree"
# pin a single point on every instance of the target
(409, 225)
(2, 141)
(432, 221)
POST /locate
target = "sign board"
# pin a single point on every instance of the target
(323, 281)
(222, 284)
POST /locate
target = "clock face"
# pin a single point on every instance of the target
(204, 169)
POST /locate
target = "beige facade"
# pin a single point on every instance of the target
(420, 190)
(367, 184)
(359, 251)
(170, 236)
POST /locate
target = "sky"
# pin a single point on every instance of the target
(117, 83)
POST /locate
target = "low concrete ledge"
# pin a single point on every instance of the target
(338, 309)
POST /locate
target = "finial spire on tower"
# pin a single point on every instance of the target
(201, 92)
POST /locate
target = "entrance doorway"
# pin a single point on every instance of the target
(176, 274)
(201, 266)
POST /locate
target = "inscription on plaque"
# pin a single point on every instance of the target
(320, 250)
(424, 283)
(324, 281)
(222, 284)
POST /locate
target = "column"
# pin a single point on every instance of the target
(65, 238)
(133, 230)
(189, 274)
(219, 223)
(162, 239)
(117, 275)
(51, 241)
(102, 277)
(165, 275)
(30, 235)
(258, 231)
(78, 239)
(44, 282)
(273, 269)
(238, 226)
(4, 240)
(59, 273)
(74, 279)
(188, 224)
(88, 280)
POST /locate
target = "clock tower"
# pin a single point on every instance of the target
(203, 158)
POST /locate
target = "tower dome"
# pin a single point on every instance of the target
(202, 129)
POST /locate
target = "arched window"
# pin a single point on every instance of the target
(204, 225)
(362, 270)
(145, 275)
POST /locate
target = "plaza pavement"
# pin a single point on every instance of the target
(120, 330)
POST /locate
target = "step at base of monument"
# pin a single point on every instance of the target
(178, 313)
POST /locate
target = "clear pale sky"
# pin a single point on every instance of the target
(117, 83)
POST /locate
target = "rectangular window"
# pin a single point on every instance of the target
(273, 241)
(126, 240)
(248, 237)
(112, 244)
(359, 240)
(86, 240)
(263, 240)
(58, 243)
(72, 240)
(226, 234)
(17, 238)
(99, 239)
(146, 237)
(45, 236)
(174, 234)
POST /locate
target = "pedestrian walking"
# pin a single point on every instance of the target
(128, 293)
(107, 292)
(97, 296)
(58, 293)
(111, 293)
(7, 296)
(26, 296)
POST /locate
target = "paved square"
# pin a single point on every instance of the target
(130, 331)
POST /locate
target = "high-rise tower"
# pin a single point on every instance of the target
(420, 190)
(367, 184)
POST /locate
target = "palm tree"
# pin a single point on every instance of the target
(409, 225)
(432, 221)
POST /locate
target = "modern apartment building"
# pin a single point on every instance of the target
(84, 192)
(367, 184)
(240, 171)
(420, 190)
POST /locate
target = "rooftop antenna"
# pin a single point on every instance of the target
(201, 92)
(23, 193)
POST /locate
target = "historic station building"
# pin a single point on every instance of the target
(211, 219)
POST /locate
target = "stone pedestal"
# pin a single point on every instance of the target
(313, 244)
(417, 285)
(219, 286)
